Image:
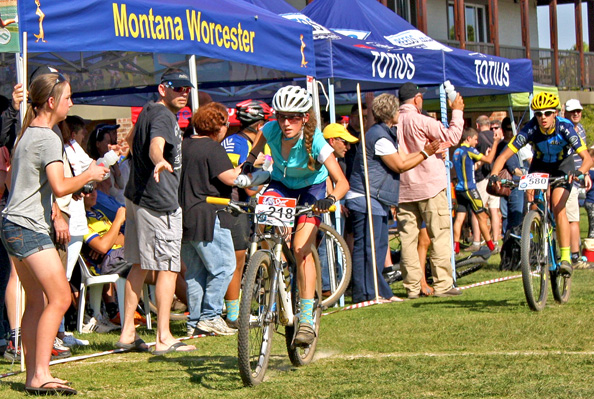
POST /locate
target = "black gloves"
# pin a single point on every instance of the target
(324, 204)
(494, 179)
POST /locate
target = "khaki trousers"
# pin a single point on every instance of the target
(436, 215)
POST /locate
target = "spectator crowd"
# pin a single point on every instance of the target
(69, 213)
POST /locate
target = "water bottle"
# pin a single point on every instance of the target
(267, 166)
(450, 90)
(107, 160)
(258, 177)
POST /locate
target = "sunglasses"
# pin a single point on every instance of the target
(59, 79)
(341, 139)
(181, 89)
(577, 111)
(539, 114)
(292, 118)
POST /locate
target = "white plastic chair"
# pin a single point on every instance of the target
(95, 284)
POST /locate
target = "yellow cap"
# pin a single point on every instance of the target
(338, 130)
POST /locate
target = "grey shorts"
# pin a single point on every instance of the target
(572, 206)
(153, 239)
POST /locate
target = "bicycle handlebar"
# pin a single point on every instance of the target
(237, 205)
(552, 180)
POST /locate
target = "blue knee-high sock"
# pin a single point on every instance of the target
(232, 309)
(306, 315)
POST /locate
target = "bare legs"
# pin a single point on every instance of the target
(42, 273)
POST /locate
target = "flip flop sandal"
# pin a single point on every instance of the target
(42, 390)
(137, 346)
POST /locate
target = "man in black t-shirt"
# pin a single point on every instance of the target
(153, 214)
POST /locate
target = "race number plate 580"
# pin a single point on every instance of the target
(276, 211)
(534, 181)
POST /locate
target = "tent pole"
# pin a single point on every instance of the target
(367, 193)
(21, 67)
(448, 164)
(194, 79)
(312, 87)
(337, 215)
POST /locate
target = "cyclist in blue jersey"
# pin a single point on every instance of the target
(302, 162)
(551, 138)
(469, 199)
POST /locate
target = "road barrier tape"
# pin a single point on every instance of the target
(493, 281)
(104, 353)
(350, 307)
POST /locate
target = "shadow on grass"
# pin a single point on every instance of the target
(219, 373)
(15, 386)
(477, 305)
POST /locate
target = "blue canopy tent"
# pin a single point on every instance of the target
(342, 57)
(377, 25)
(237, 40)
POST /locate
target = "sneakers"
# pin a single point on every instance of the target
(98, 324)
(70, 340)
(392, 274)
(216, 326)
(451, 292)
(59, 351)
(234, 324)
(581, 264)
(472, 248)
(305, 336)
(496, 250)
(565, 268)
(11, 353)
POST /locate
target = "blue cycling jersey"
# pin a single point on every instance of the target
(293, 172)
(550, 147)
(464, 159)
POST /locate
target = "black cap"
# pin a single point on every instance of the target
(408, 91)
(176, 79)
(43, 70)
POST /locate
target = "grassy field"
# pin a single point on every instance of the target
(483, 344)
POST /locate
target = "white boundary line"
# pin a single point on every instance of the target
(351, 307)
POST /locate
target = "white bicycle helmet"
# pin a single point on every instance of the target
(292, 99)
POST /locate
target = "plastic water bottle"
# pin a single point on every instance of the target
(450, 90)
(107, 160)
(267, 166)
(258, 177)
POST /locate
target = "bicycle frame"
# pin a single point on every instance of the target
(549, 225)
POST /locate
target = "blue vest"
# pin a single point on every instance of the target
(383, 182)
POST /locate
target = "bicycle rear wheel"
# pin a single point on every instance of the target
(303, 356)
(534, 261)
(254, 341)
(335, 259)
(469, 266)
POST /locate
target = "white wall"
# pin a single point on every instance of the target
(510, 28)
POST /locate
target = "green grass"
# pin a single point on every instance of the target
(483, 344)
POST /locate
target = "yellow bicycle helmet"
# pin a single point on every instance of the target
(544, 100)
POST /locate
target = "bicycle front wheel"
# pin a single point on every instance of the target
(560, 284)
(254, 341)
(335, 262)
(301, 356)
(534, 260)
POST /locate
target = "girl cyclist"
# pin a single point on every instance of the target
(302, 162)
(552, 139)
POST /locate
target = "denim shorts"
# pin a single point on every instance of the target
(21, 242)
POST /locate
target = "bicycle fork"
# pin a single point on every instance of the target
(278, 291)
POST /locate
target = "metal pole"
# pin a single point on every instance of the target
(194, 79)
(448, 164)
(367, 193)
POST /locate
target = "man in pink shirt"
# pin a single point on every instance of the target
(423, 195)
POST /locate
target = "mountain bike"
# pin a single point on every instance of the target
(270, 296)
(540, 257)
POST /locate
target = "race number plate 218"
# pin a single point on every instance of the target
(534, 181)
(276, 211)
